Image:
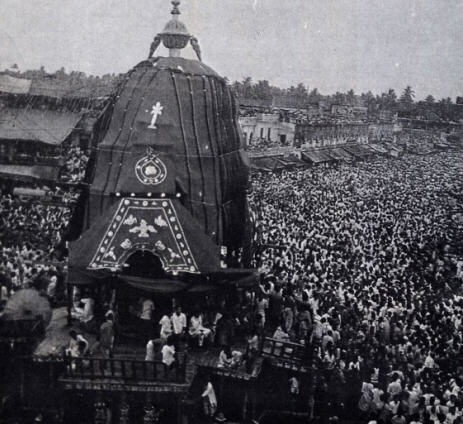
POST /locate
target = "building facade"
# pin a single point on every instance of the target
(269, 127)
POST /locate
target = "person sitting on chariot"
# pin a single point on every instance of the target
(197, 331)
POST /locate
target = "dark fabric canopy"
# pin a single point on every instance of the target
(180, 114)
(161, 286)
(161, 226)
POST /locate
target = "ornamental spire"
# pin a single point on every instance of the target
(175, 35)
(175, 10)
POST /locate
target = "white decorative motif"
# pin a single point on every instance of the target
(151, 230)
(155, 111)
(172, 254)
(160, 221)
(126, 244)
(110, 254)
(160, 245)
(150, 170)
(143, 229)
(130, 220)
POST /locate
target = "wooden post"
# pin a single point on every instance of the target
(144, 370)
(22, 377)
(111, 366)
(311, 407)
(69, 299)
(124, 375)
(253, 401)
(92, 368)
(245, 402)
(102, 365)
(179, 411)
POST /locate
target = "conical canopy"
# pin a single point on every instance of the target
(169, 137)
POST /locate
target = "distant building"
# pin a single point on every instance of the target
(314, 109)
(14, 85)
(36, 139)
(386, 115)
(39, 122)
(360, 112)
(330, 134)
(267, 126)
(382, 131)
(342, 110)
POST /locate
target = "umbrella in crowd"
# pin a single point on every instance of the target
(27, 304)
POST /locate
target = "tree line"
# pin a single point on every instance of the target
(262, 91)
(93, 84)
(303, 96)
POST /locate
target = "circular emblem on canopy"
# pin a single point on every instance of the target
(150, 170)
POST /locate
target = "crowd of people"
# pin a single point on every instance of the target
(41, 225)
(260, 144)
(364, 262)
(31, 243)
(75, 165)
(33, 225)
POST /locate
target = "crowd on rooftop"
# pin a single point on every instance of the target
(312, 116)
(75, 165)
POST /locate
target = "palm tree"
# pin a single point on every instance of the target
(444, 106)
(247, 87)
(350, 97)
(262, 90)
(314, 96)
(339, 98)
(388, 100)
(407, 96)
(369, 101)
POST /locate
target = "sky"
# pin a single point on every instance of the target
(334, 45)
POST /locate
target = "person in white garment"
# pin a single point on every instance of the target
(209, 400)
(84, 313)
(147, 310)
(178, 325)
(150, 350)
(166, 328)
(197, 331)
(168, 356)
(229, 358)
